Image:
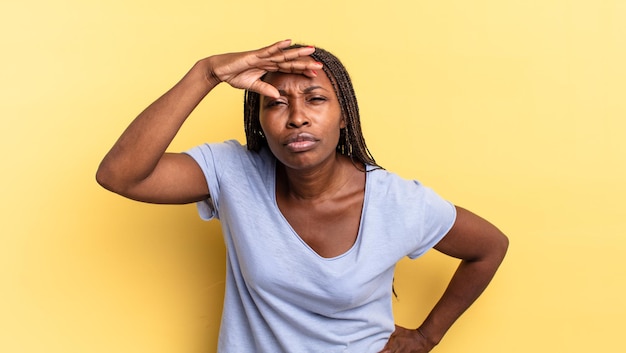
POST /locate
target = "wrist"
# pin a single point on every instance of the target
(204, 67)
(430, 338)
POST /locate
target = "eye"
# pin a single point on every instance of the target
(274, 103)
(317, 99)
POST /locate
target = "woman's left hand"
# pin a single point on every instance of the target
(404, 340)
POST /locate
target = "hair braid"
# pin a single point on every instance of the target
(351, 140)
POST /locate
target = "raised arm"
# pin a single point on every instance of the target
(138, 167)
(481, 247)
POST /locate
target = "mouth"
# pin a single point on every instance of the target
(300, 142)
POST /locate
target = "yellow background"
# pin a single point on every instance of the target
(513, 109)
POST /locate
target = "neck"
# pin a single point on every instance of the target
(316, 184)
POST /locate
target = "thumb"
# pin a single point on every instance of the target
(264, 89)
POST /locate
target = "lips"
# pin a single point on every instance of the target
(300, 142)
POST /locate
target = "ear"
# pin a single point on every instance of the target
(343, 123)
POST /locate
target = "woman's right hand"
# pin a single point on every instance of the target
(244, 70)
(137, 166)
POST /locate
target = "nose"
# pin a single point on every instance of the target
(297, 117)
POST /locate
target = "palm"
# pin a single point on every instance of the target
(244, 70)
(240, 70)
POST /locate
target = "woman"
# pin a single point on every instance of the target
(313, 226)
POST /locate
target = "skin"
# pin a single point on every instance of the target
(481, 248)
(319, 191)
(137, 166)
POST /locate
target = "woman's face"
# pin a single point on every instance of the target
(302, 125)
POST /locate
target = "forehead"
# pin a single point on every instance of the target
(287, 81)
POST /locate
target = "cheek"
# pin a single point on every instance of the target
(268, 128)
(264, 122)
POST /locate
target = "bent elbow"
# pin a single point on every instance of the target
(105, 177)
(501, 246)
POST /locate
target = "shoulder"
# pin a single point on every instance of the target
(413, 216)
(231, 147)
(385, 181)
(399, 193)
(226, 153)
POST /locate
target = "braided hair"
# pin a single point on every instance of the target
(351, 140)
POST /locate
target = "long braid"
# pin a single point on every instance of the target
(351, 140)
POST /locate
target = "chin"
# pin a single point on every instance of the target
(305, 161)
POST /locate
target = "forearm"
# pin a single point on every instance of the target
(137, 166)
(138, 150)
(469, 281)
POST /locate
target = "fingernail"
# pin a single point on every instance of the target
(314, 72)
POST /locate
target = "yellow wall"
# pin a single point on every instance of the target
(513, 109)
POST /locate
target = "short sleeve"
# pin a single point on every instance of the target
(438, 217)
(203, 155)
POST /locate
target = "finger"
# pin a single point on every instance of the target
(310, 73)
(277, 52)
(304, 66)
(292, 54)
(264, 89)
(274, 52)
(273, 49)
